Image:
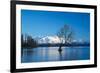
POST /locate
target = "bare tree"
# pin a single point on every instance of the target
(65, 35)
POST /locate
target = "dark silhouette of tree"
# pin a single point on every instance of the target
(31, 42)
(65, 35)
(22, 41)
(28, 42)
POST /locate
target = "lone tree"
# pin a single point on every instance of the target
(65, 35)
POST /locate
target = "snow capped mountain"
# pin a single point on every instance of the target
(49, 39)
(55, 39)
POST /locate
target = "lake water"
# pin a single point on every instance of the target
(44, 54)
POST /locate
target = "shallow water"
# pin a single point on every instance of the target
(44, 54)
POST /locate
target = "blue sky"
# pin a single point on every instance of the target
(47, 23)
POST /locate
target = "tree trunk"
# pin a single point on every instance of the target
(60, 50)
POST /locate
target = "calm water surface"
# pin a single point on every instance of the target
(44, 54)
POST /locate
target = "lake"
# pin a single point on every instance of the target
(45, 54)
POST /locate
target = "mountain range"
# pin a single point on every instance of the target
(55, 39)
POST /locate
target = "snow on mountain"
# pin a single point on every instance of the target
(74, 41)
(49, 39)
(55, 39)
